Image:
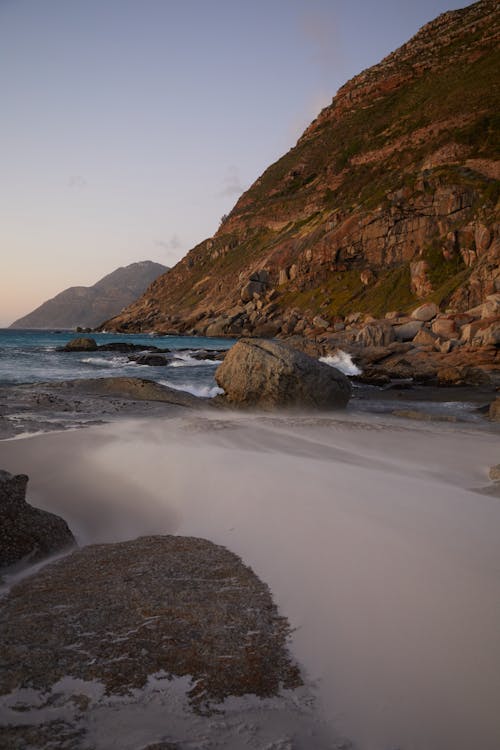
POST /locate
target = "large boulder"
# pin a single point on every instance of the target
(269, 374)
(27, 533)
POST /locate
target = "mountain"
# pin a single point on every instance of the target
(87, 306)
(389, 198)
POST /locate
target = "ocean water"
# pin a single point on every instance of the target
(31, 356)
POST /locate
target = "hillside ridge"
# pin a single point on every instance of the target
(88, 306)
(388, 199)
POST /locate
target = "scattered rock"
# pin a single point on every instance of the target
(269, 374)
(425, 337)
(376, 334)
(27, 533)
(444, 328)
(425, 312)
(407, 331)
(494, 473)
(494, 412)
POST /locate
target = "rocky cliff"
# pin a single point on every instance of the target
(89, 306)
(389, 199)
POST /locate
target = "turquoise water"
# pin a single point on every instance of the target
(28, 356)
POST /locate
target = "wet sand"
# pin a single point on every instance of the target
(378, 538)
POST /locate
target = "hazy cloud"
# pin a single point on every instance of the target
(231, 182)
(172, 246)
(77, 181)
(321, 32)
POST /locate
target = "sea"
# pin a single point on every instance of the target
(32, 356)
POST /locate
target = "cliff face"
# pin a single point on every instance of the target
(89, 306)
(390, 197)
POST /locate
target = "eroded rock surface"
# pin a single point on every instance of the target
(115, 615)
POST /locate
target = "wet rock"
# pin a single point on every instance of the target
(462, 375)
(82, 344)
(124, 347)
(152, 360)
(27, 533)
(270, 374)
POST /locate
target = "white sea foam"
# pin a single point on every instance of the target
(342, 361)
(203, 391)
(186, 360)
(115, 361)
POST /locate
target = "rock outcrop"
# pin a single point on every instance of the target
(98, 626)
(270, 374)
(27, 534)
(87, 306)
(387, 202)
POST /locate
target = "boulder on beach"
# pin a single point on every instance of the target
(27, 533)
(117, 616)
(269, 374)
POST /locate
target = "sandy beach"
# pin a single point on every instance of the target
(378, 538)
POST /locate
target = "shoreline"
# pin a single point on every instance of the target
(39, 408)
(386, 563)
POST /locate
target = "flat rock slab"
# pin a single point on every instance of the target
(76, 403)
(137, 389)
(116, 614)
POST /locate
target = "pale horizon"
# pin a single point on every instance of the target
(132, 128)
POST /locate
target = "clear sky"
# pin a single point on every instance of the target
(129, 127)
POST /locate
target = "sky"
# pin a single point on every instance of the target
(129, 127)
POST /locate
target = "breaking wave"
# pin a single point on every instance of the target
(342, 361)
(203, 391)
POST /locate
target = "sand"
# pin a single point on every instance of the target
(378, 538)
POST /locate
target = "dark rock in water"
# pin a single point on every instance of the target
(82, 344)
(125, 347)
(267, 374)
(27, 533)
(113, 615)
(153, 360)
